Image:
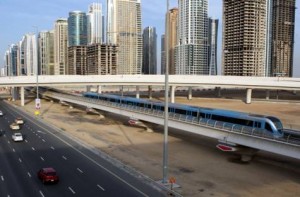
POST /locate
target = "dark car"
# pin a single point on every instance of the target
(48, 175)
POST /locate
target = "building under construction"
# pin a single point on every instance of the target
(77, 60)
(244, 37)
(282, 44)
(102, 59)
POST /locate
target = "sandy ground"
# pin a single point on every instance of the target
(198, 167)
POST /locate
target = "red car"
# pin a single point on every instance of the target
(48, 175)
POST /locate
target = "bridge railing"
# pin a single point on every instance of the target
(224, 126)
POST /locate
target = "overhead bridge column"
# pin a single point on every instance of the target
(173, 89)
(137, 92)
(190, 94)
(249, 95)
(22, 97)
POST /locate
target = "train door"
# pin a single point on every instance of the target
(208, 116)
(257, 125)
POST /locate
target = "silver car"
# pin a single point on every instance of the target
(17, 137)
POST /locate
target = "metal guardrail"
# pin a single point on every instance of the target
(219, 125)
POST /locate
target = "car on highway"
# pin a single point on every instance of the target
(48, 175)
(14, 126)
(19, 120)
(1, 113)
(17, 137)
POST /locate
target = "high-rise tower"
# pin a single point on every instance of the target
(124, 28)
(172, 21)
(191, 53)
(244, 37)
(29, 50)
(212, 45)
(282, 38)
(149, 51)
(46, 52)
(95, 23)
(60, 46)
(77, 28)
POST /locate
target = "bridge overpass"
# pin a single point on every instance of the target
(214, 129)
(219, 82)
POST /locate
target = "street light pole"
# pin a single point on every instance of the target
(165, 153)
(37, 63)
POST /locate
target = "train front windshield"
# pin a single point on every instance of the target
(277, 123)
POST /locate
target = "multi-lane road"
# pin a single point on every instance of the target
(82, 172)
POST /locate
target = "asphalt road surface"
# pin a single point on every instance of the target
(81, 171)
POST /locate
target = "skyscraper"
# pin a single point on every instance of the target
(29, 48)
(163, 55)
(77, 28)
(149, 51)
(191, 50)
(12, 60)
(95, 23)
(172, 21)
(46, 52)
(124, 28)
(282, 38)
(244, 37)
(212, 45)
(60, 46)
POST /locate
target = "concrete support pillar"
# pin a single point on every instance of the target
(218, 92)
(268, 95)
(173, 89)
(150, 92)
(249, 96)
(122, 90)
(137, 92)
(22, 97)
(190, 93)
(88, 88)
(99, 89)
(14, 93)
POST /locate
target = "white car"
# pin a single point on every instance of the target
(17, 137)
(14, 126)
(19, 121)
(1, 113)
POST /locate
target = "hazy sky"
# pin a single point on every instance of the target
(20, 16)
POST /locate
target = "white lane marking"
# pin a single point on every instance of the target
(20, 160)
(42, 193)
(43, 140)
(26, 141)
(41, 132)
(92, 160)
(52, 148)
(79, 170)
(64, 157)
(101, 187)
(4, 135)
(72, 190)
(14, 150)
(8, 142)
(2, 178)
(42, 159)
(32, 148)
(29, 174)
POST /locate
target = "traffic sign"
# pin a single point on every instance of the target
(37, 103)
(226, 148)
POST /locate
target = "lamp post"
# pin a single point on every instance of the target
(165, 150)
(37, 100)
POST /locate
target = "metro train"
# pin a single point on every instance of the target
(265, 125)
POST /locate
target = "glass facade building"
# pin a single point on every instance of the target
(149, 51)
(77, 28)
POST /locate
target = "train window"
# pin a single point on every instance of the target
(233, 120)
(257, 124)
(194, 114)
(202, 115)
(268, 127)
(180, 111)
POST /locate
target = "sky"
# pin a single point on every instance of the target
(18, 17)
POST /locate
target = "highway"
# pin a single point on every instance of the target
(81, 171)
